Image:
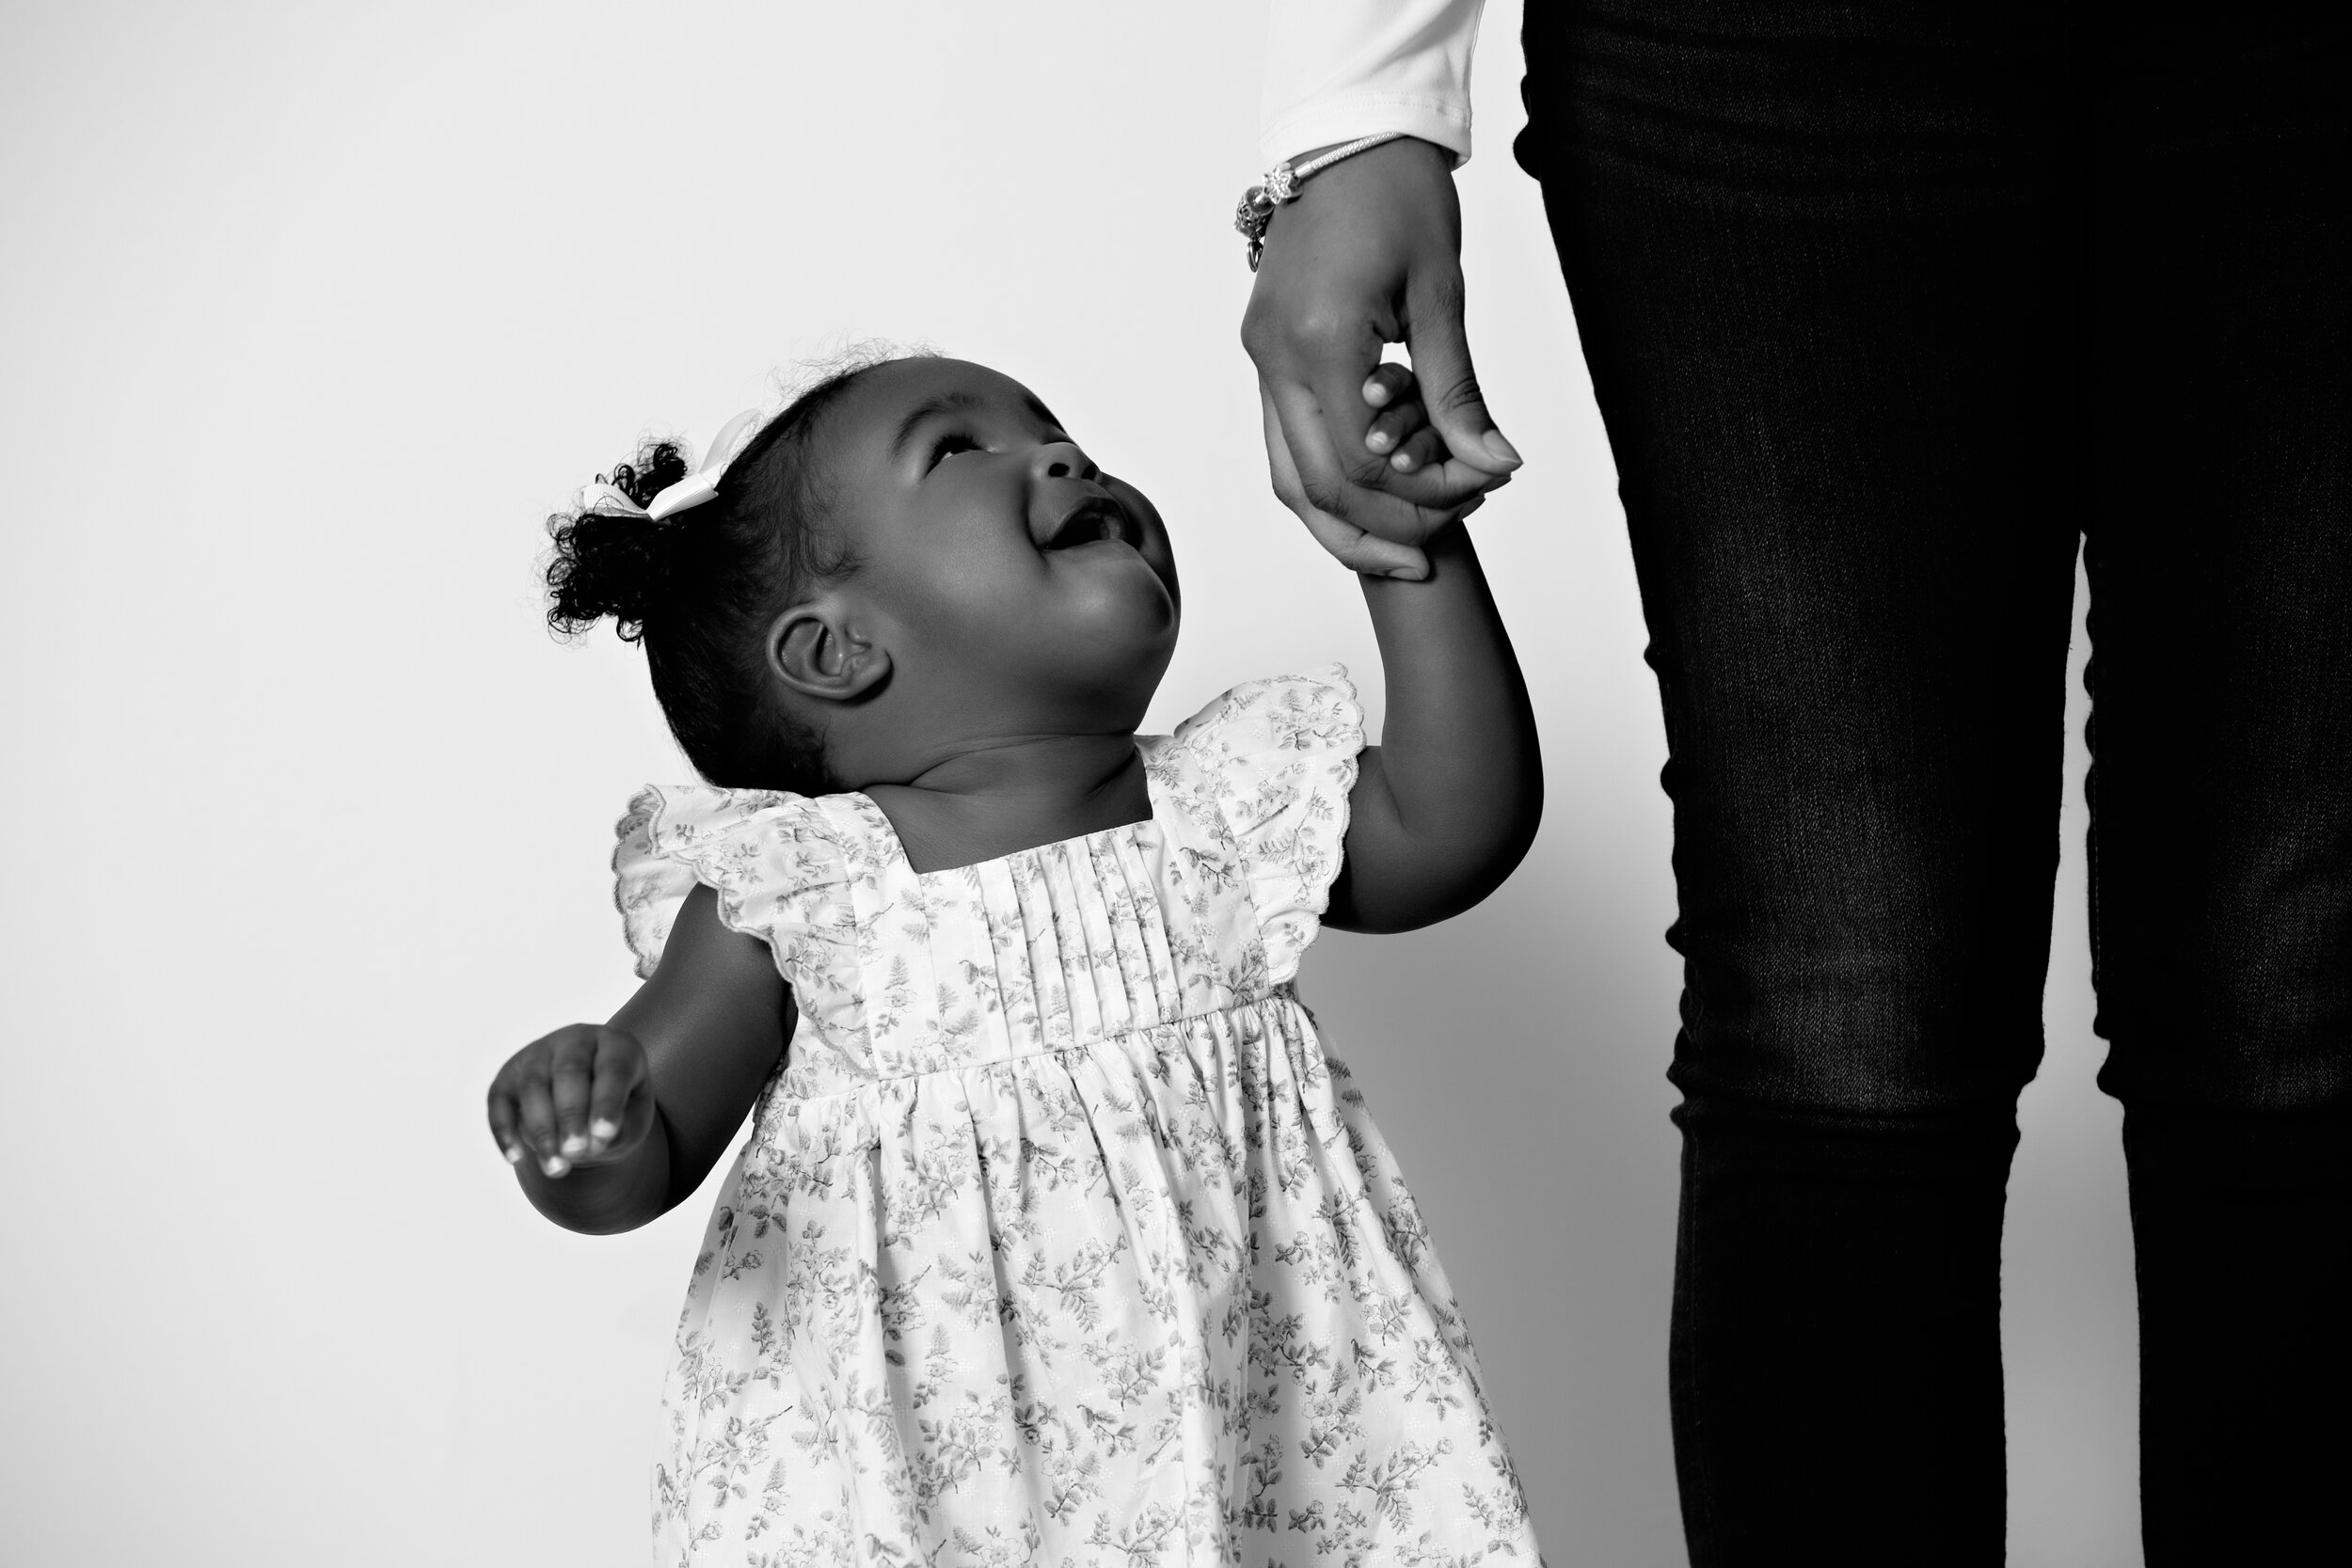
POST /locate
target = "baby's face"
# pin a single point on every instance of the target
(1005, 562)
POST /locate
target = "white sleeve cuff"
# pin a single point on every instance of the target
(1343, 118)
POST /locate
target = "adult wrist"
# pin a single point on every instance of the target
(1287, 180)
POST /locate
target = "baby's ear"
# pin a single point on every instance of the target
(814, 649)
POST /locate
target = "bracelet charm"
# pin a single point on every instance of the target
(1255, 212)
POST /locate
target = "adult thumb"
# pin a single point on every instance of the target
(1440, 347)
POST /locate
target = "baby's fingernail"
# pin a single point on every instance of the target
(514, 1154)
(1374, 392)
(574, 1144)
(1501, 450)
(554, 1166)
(1377, 440)
(605, 1127)
(1402, 462)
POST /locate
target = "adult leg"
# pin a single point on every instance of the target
(2221, 560)
(1826, 261)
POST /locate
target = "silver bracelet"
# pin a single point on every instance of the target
(1256, 212)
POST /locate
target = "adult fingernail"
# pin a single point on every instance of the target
(1377, 440)
(554, 1166)
(605, 1127)
(576, 1144)
(1501, 450)
(514, 1154)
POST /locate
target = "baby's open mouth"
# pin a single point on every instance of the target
(1092, 521)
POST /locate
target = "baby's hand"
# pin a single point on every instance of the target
(581, 1096)
(1401, 432)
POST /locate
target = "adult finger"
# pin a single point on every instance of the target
(1354, 548)
(1366, 554)
(1439, 345)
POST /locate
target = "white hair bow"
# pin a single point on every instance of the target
(691, 491)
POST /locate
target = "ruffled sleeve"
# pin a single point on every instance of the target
(1270, 766)
(774, 860)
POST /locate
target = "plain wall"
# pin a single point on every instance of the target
(311, 315)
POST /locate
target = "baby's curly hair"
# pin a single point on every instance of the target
(699, 590)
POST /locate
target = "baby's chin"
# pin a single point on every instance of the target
(1109, 679)
(1112, 590)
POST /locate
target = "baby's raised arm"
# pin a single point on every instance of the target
(610, 1125)
(1447, 804)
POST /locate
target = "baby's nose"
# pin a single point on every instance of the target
(1063, 460)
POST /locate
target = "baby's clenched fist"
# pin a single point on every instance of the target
(581, 1096)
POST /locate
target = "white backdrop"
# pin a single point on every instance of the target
(310, 314)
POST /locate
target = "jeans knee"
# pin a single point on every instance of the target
(2237, 1000)
(1885, 1155)
(1875, 1028)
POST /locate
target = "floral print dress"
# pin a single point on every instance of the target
(1056, 1239)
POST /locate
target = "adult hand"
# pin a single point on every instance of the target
(1401, 432)
(1369, 254)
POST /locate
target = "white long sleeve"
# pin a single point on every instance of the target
(1337, 69)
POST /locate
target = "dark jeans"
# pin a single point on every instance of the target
(1887, 305)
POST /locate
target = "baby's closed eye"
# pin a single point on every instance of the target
(949, 444)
